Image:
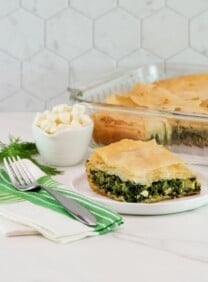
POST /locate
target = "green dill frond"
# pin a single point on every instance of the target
(27, 150)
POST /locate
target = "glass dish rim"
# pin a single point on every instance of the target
(78, 93)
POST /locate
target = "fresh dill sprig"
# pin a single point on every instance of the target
(27, 150)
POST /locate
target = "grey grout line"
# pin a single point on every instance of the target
(44, 18)
(10, 13)
(10, 95)
(9, 54)
(177, 12)
(56, 53)
(105, 13)
(199, 52)
(30, 57)
(80, 12)
(105, 53)
(31, 13)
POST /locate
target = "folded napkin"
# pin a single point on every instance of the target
(23, 213)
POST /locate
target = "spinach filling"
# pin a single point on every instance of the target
(134, 192)
(180, 134)
(189, 136)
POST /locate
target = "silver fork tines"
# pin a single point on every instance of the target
(19, 175)
(23, 180)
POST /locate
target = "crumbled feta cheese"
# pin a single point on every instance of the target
(144, 193)
(45, 124)
(78, 109)
(85, 119)
(39, 117)
(51, 117)
(75, 123)
(45, 113)
(60, 108)
(62, 117)
(168, 191)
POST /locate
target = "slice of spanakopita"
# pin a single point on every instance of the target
(137, 171)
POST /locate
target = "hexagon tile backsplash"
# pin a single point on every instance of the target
(46, 45)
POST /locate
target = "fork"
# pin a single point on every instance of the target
(23, 180)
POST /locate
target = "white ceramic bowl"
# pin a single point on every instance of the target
(65, 148)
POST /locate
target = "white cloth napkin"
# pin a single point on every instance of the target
(10, 228)
(23, 217)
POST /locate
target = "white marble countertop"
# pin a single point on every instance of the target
(146, 248)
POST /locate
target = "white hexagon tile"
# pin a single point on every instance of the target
(9, 75)
(47, 45)
(165, 33)
(69, 34)
(199, 27)
(45, 73)
(82, 71)
(142, 8)
(117, 33)
(93, 8)
(8, 6)
(188, 8)
(60, 99)
(21, 34)
(44, 8)
(189, 56)
(138, 58)
(20, 102)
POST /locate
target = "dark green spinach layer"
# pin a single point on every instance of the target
(181, 134)
(133, 192)
(190, 136)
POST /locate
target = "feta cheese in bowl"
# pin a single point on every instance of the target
(63, 134)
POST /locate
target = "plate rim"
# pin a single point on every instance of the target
(171, 206)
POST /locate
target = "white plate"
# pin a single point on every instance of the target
(81, 185)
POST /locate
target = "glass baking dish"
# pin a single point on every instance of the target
(183, 133)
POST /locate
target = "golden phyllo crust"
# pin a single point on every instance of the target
(137, 171)
(185, 94)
